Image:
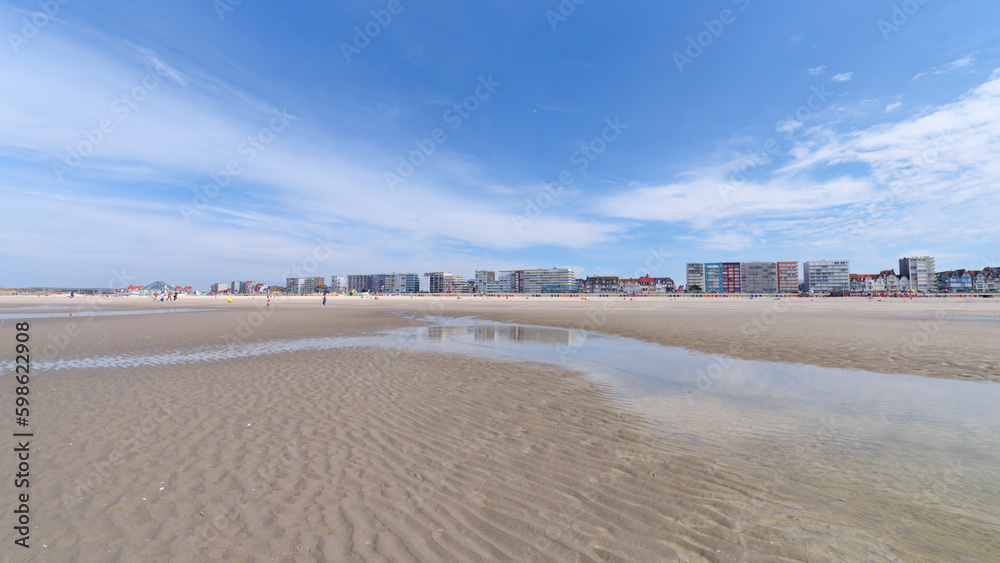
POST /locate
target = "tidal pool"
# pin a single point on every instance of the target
(84, 312)
(919, 453)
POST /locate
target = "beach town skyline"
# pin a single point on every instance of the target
(371, 142)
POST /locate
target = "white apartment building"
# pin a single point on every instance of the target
(695, 276)
(827, 276)
(338, 283)
(920, 271)
(486, 282)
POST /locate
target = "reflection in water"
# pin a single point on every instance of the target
(492, 333)
(98, 313)
(437, 333)
(496, 333)
(922, 452)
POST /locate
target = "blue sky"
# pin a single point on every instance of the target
(198, 142)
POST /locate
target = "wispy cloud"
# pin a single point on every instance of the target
(818, 71)
(927, 166)
(892, 106)
(842, 77)
(949, 68)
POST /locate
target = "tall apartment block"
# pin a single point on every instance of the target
(548, 280)
(826, 276)
(509, 281)
(446, 282)
(713, 278)
(744, 277)
(361, 283)
(920, 271)
(729, 277)
(758, 277)
(338, 283)
(695, 276)
(486, 282)
(304, 286)
(788, 277)
(384, 283)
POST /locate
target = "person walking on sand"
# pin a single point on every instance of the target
(324, 301)
(268, 302)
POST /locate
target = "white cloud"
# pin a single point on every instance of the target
(816, 71)
(182, 131)
(892, 106)
(949, 68)
(842, 77)
(918, 171)
(788, 126)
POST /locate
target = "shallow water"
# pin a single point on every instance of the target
(84, 312)
(919, 452)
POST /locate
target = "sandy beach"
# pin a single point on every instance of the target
(363, 453)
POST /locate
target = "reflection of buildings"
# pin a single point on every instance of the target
(493, 333)
(439, 332)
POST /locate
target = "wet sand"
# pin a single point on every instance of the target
(366, 454)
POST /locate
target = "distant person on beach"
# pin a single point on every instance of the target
(324, 301)
(268, 302)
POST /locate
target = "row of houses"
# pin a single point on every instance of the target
(614, 284)
(916, 274)
(986, 280)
